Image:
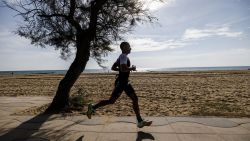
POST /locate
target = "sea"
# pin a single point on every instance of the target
(138, 70)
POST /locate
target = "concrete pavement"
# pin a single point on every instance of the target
(79, 128)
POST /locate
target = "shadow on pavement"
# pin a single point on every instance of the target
(26, 129)
(80, 138)
(142, 136)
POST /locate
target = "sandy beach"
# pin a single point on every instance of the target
(204, 93)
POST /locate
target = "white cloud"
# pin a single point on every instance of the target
(154, 5)
(149, 44)
(191, 35)
(195, 34)
(145, 44)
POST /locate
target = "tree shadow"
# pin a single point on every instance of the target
(142, 136)
(32, 126)
(31, 130)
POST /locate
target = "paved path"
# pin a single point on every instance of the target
(79, 128)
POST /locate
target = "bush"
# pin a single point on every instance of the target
(77, 100)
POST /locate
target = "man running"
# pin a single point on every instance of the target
(122, 84)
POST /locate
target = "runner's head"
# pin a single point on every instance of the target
(125, 47)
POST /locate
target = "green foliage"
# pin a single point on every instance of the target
(77, 101)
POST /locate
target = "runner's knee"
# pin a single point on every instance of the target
(112, 101)
(134, 98)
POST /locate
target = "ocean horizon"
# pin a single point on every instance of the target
(138, 70)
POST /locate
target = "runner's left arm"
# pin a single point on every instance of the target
(115, 67)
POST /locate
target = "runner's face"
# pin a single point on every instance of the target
(127, 49)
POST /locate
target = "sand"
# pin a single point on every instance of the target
(204, 93)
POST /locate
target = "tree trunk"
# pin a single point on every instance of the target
(61, 99)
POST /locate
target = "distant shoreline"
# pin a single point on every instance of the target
(95, 71)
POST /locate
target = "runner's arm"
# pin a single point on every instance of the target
(115, 67)
(125, 68)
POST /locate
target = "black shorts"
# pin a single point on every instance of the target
(121, 86)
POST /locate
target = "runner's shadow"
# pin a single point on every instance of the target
(80, 138)
(25, 130)
(142, 136)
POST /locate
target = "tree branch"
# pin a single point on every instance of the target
(70, 17)
(95, 7)
(72, 8)
(52, 15)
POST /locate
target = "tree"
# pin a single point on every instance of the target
(89, 26)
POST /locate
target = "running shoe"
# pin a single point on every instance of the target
(90, 111)
(144, 123)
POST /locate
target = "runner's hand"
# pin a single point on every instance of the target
(133, 67)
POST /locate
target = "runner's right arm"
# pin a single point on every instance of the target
(125, 68)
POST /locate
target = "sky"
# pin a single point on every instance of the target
(188, 33)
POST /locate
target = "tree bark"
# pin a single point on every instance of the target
(61, 99)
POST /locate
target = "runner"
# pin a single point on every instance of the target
(122, 84)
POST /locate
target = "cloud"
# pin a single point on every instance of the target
(149, 44)
(145, 44)
(154, 5)
(196, 34)
(191, 35)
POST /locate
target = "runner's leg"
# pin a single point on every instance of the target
(131, 93)
(114, 96)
